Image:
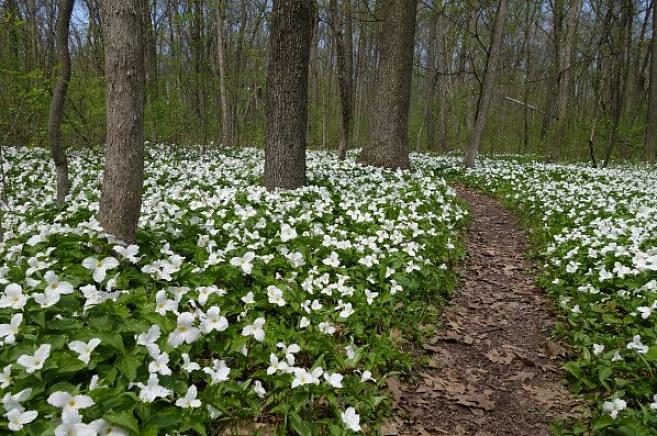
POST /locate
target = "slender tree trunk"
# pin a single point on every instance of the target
(387, 145)
(559, 131)
(226, 112)
(291, 24)
(431, 79)
(651, 121)
(150, 65)
(487, 87)
(123, 176)
(58, 99)
(343, 80)
(442, 57)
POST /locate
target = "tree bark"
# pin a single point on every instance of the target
(226, 112)
(59, 97)
(343, 80)
(431, 79)
(150, 65)
(123, 176)
(387, 145)
(651, 121)
(487, 86)
(291, 24)
(564, 77)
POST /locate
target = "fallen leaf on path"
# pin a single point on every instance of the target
(502, 357)
(479, 400)
(394, 386)
(522, 376)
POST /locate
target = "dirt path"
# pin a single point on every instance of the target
(493, 369)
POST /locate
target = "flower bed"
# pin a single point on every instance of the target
(238, 307)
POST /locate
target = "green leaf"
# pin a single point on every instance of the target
(125, 420)
(128, 366)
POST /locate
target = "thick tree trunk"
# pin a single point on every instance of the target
(226, 112)
(387, 145)
(291, 24)
(123, 176)
(487, 87)
(343, 80)
(58, 99)
(651, 121)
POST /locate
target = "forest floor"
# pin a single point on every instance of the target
(492, 368)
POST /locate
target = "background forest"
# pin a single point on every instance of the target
(573, 74)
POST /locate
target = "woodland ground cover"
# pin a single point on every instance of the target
(597, 232)
(237, 305)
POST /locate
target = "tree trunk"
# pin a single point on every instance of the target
(123, 176)
(343, 80)
(226, 112)
(291, 24)
(651, 121)
(565, 74)
(487, 86)
(431, 78)
(58, 99)
(387, 145)
(150, 68)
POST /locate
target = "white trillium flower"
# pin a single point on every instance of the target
(13, 297)
(84, 349)
(11, 402)
(637, 346)
(259, 389)
(104, 428)
(326, 328)
(54, 284)
(9, 331)
(5, 377)
(218, 372)
(188, 365)
(189, 401)
(245, 262)
(160, 364)
(65, 401)
(288, 233)
(614, 406)
(17, 419)
(213, 320)
(163, 304)
(276, 365)
(248, 298)
(99, 268)
(351, 419)
(598, 349)
(35, 362)
(275, 296)
(334, 379)
(152, 389)
(129, 253)
(185, 332)
(72, 425)
(303, 377)
(256, 330)
(149, 337)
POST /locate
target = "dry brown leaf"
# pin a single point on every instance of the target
(496, 356)
(394, 386)
(479, 400)
(521, 376)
